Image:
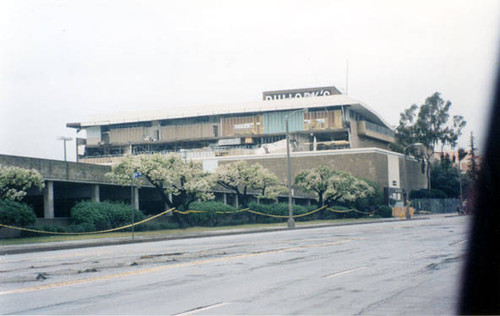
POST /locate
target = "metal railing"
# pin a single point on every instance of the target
(379, 129)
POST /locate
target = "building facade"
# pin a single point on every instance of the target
(325, 127)
(318, 119)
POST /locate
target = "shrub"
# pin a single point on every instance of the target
(211, 206)
(16, 214)
(151, 226)
(280, 209)
(81, 228)
(210, 218)
(46, 228)
(366, 204)
(384, 211)
(103, 215)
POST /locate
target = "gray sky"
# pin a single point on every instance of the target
(62, 61)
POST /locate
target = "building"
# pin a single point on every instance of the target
(318, 118)
(326, 127)
(465, 163)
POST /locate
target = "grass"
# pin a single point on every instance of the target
(166, 232)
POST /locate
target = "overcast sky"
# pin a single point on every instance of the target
(63, 61)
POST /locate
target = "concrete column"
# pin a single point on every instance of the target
(136, 198)
(236, 202)
(48, 200)
(308, 202)
(258, 199)
(94, 193)
(224, 198)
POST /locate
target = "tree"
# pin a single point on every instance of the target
(429, 124)
(242, 178)
(463, 181)
(179, 183)
(473, 167)
(445, 178)
(462, 153)
(315, 180)
(15, 181)
(333, 186)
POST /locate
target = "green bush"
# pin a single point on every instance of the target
(81, 228)
(151, 226)
(280, 209)
(103, 215)
(16, 214)
(210, 218)
(384, 211)
(366, 204)
(46, 228)
(211, 206)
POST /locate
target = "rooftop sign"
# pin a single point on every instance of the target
(299, 93)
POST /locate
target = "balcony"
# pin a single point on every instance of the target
(369, 129)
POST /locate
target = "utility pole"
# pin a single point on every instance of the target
(291, 222)
(133, 175)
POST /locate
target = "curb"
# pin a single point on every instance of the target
(41, 247)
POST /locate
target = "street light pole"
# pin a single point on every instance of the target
(133, 175)
(132, 201)
(64, 139)
(291, 221)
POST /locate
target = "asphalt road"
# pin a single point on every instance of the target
(409, 267)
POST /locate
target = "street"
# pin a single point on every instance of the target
(398, 267)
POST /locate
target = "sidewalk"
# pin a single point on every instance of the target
(83, 243)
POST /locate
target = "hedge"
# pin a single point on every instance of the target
(16, 214)
(103, 215)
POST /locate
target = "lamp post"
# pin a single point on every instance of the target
(291, 222)
(133, 175)
(64, 139)
(407, 211)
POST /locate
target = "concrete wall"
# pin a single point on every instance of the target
(366, 142)
(415, 178)
(60, 170)
(368, 163)
(69, 182)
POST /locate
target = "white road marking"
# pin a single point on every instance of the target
(201, 309)
(342, 272)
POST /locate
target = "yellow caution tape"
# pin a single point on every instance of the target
(188, 212)
(283, 216)
(217, 212)
(230, 212)
(88, 233)
(173, 210)
(350, 210)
